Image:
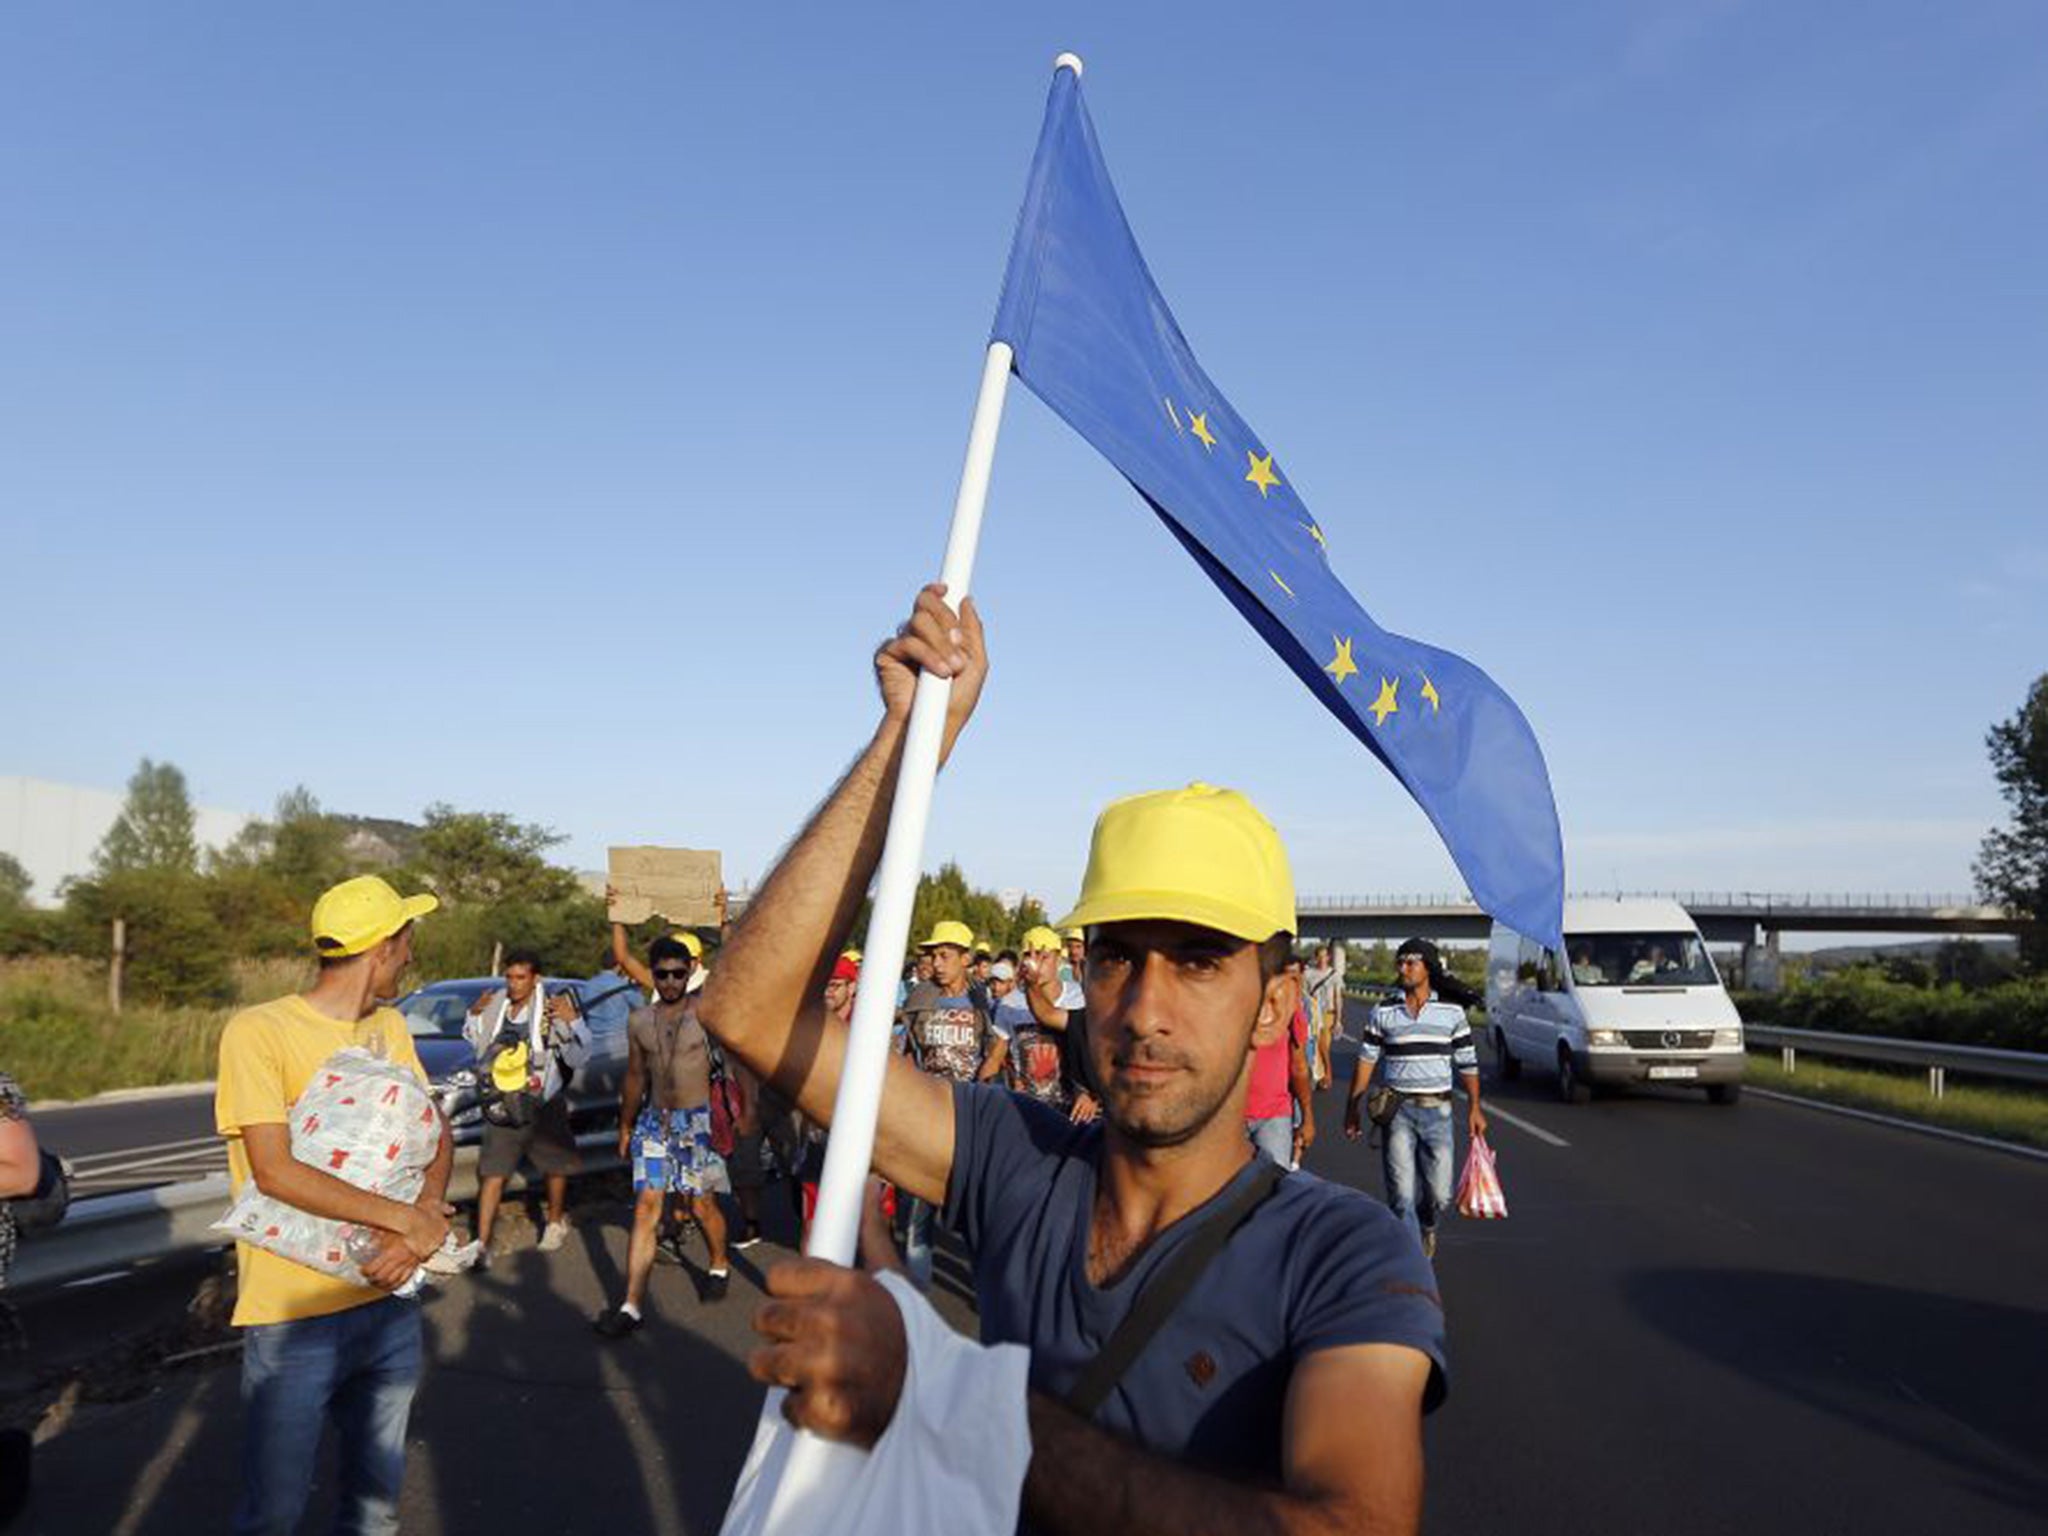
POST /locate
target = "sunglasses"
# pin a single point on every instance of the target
(666, 974)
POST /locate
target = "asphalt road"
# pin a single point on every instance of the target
(1760, 1319)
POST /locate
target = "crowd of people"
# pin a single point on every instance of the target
(1114, 1111)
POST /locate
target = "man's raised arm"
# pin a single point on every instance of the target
(763, 1001)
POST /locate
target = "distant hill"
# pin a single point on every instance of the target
(1999, 946)
(380, 841)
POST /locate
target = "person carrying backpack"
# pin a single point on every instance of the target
(528, 1047)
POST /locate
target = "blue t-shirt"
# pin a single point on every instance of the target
(1318, 1265)
(607, 998)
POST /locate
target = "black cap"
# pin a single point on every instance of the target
(1424, 951)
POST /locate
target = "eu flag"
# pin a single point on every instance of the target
(1095, 341)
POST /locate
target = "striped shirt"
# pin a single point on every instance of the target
(1421, 1051)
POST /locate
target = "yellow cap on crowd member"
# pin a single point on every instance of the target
(1196, 855)
(362, 913)
(949, 932)
(689, 941)
(850, 953)
(1041, 938)
(1074, 933)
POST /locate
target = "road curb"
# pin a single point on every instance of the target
(1989, 1143)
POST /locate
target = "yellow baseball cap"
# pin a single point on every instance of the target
(1196, 855)
(361, 913)
(949, 932)
(689, 941)
(1041, 938)
(1074, 933)
(850, 953)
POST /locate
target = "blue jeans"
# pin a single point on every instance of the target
(1273, 1137)
(917, 1241)
(358, 1367)
(1420, 1135)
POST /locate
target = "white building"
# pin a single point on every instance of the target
(54, 829)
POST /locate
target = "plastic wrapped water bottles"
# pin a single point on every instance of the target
(367, 1121)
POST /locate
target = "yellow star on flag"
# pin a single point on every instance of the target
(1261, 473)
(1199, 425)
(1317, 534)
(1280, 584)
(1341, 666)
(1385, 705)
(1429, 692)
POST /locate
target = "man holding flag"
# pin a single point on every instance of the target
(1181, 1312)
(1285, 1388)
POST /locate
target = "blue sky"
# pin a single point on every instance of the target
(543, 409)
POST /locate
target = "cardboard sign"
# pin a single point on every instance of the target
(680, 884)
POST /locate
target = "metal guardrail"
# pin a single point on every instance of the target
(1939, 1060)
(105, 1233)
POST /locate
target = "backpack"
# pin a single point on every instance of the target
(728, 1104)
(507, 1085)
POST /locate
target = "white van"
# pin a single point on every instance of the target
(1634, 999)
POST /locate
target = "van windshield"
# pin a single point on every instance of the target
(1640, 960)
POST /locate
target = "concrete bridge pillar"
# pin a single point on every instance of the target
(1762, 970)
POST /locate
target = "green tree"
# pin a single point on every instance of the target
(176, 951)
(497, 887)
(947, 896)
(486, 856)
(154, 829)
(15, 881)
(261, 885)
(2012, 863)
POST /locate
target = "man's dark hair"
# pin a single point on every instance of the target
(1274, 955)
(1009, 955)
(530, 958)
(668, 947)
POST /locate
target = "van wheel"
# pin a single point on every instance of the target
(1571, 1087)
(1505, 1061)
(1724, 1093)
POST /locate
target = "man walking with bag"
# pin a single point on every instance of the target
(1424, 1039)
(316, 1347)
(528, 1045)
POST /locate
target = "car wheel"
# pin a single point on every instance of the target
(1571, 1087)
(1505, 1061)
(1724, 1093)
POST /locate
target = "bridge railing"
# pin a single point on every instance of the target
(1761, 902)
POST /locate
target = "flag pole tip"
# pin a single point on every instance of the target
(1068, 61)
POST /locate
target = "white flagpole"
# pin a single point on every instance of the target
(803, 1468)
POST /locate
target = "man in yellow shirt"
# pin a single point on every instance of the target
(315, 1346)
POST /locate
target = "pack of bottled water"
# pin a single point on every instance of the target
(367, 1121)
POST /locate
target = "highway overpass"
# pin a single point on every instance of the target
(1724, 917)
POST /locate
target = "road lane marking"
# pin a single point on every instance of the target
(86, 1159)
(1921, 1126)
(1494, 1112)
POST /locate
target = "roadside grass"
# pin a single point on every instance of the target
(1980, 1109)
(59, 1040)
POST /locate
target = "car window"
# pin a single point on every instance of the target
(434, 1015)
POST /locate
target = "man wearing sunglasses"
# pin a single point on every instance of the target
(665, 1129)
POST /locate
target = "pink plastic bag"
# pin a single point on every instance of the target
(1479, 1191)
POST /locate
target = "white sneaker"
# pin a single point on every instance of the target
(557, 1233)
(451, 1260)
